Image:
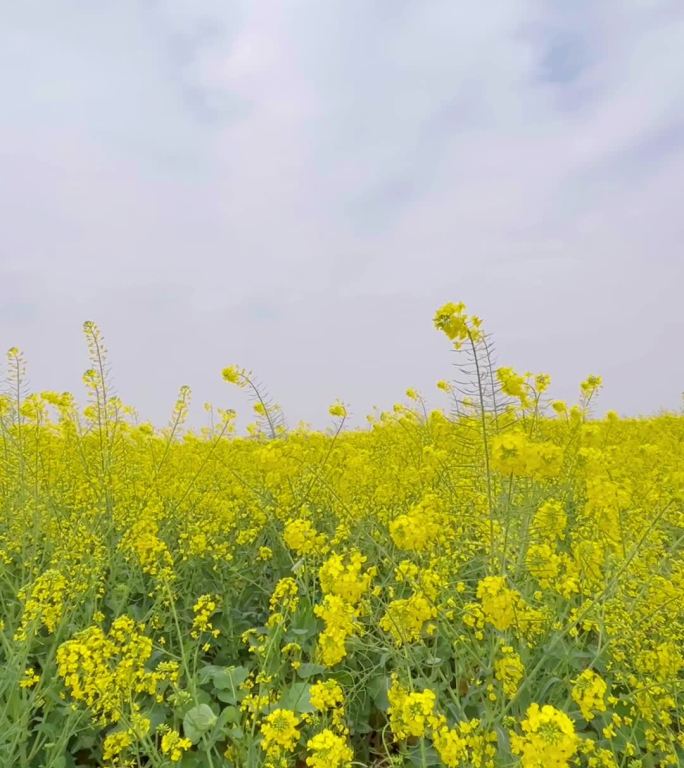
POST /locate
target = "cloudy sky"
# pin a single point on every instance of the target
(296, 187)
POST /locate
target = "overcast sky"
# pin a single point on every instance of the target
(297, 186)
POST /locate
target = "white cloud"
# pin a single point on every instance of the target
(296, 187)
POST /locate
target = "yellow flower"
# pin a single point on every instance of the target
(548, 738)
(43, 602)
(453, 321)
(499, 603)
(514, 384)
(107, 671)
(340, 624)
(589, 691)
(421, 528)
(514, 453)
(591, 385)
(233, 375)
(405, 619)
(344, 576)
(115, 743)
(279, 731)
(173, 745)
(326, 695)
(338, 410)
(549, 522)
(285, 599)
(265, 553)
(203, 609)
(509, 670)
(328, 750)
(302, 537)
(451, 747)
(30, 678)
(409, 713)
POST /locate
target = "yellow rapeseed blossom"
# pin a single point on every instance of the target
(328, 750)
(346, 577)
(280, 731)
(29, 678)
(589, 692)
(549, 522)
(409, 712)
(203, 610)
(591, 385)
(107, 671)
(115, 744)
(500, 604)
(340, 623)
(420, 527)
(338, 410)
(548, 738)
(326, 695)
(466, 744)
(406, 619)
(451, 747)
(514, 453)
(302, 537)
(43, 603)
(453, 321)
(174, 745)
(509, 670)
(514, 385)
(464, 557)
(233, 375)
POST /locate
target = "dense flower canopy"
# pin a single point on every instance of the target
(493, 583)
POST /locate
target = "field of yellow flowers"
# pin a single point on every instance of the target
(496, 583)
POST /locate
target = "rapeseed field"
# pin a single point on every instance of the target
(499, 582)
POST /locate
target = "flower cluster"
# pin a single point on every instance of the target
(409, 713)
(280, 734)
(496, 582)
(548, 738)
(204, 609)
(107, 672)
(453, 321)
(589, 691)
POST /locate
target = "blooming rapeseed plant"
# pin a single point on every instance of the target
(589, 692)
(428, 590)
(548, 738)
(328, 750)
(174, 745)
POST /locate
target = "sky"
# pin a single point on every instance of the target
(295, 187)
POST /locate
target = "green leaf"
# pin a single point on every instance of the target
(309, 670)
(85, 740)
(157, 714)
(296, 698)
(207, 673)
(422, 755)
(227, 697)
(192, 760)
(228, 714)
(377, 688)
(198, 721)
(231, 677)
(226, 681)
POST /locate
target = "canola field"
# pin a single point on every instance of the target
(498, 582)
